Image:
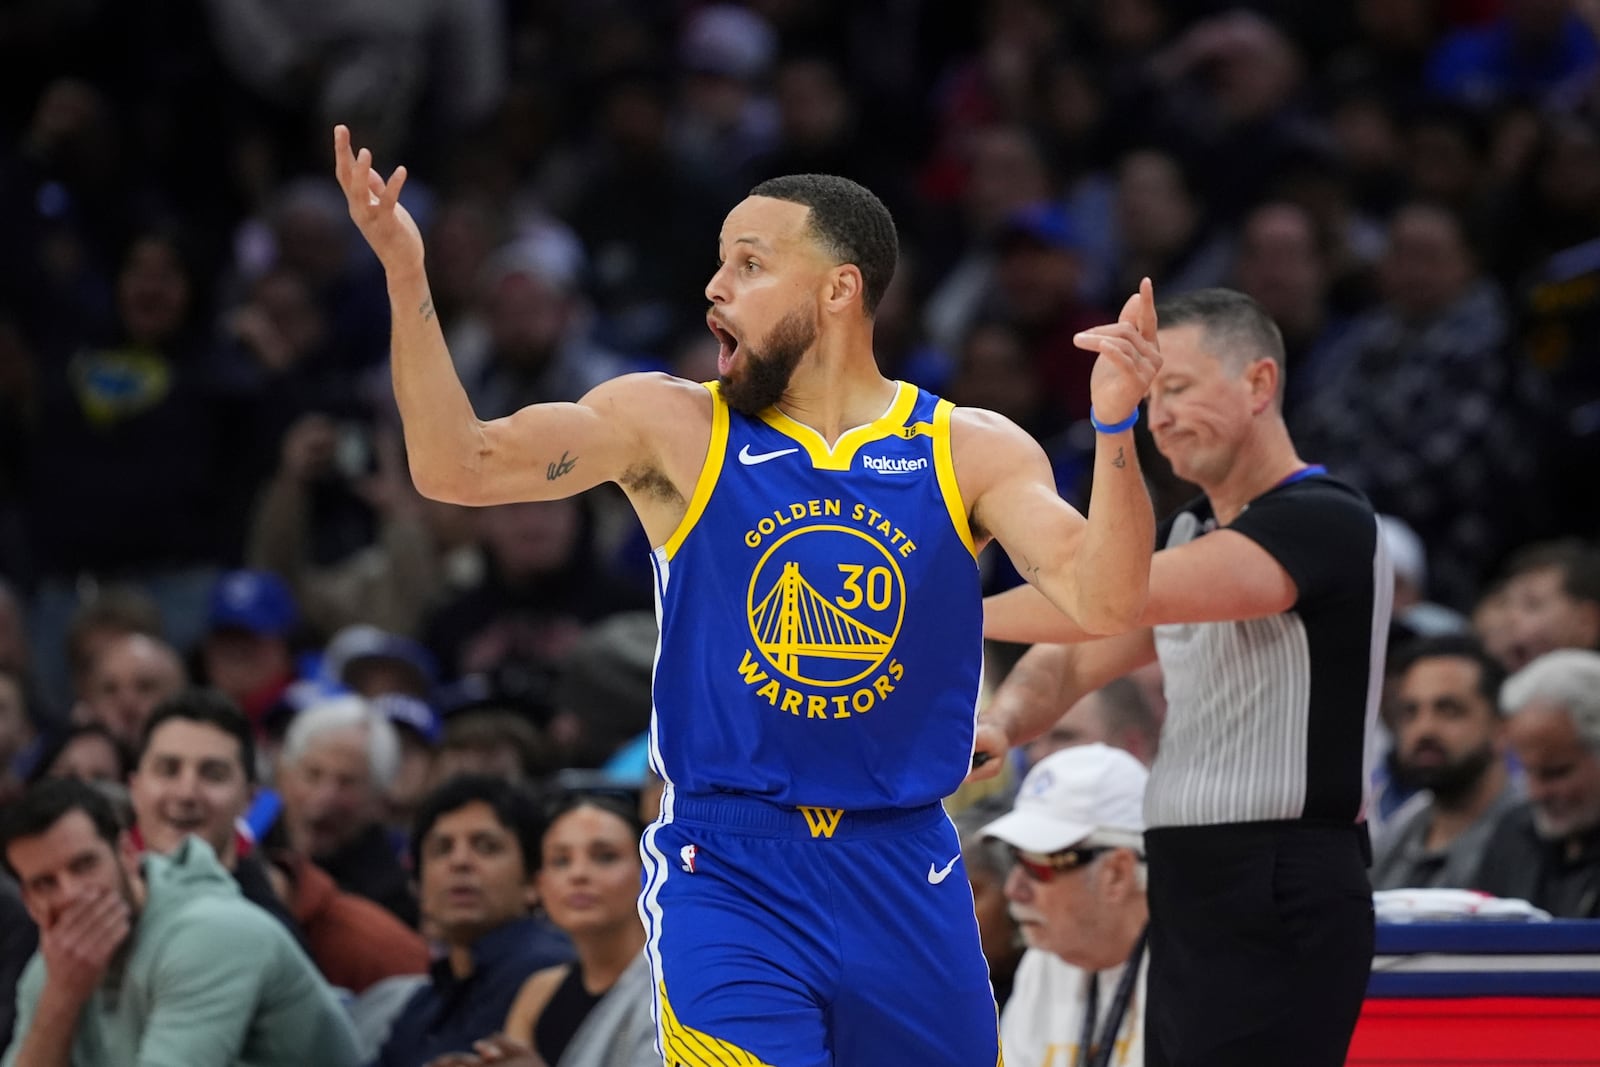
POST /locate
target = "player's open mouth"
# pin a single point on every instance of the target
(730, 345)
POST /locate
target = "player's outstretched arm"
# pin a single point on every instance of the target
(1222, 577)
(542, 452)
(1096, 571)
(1026, 616)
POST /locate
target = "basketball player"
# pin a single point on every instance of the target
(815, 527)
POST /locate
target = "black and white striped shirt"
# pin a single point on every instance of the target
(1273, 718)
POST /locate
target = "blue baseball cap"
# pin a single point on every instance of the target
(257, 601)
(353, 644)
(411, 713)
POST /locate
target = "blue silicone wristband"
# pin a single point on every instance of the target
(1116, 427)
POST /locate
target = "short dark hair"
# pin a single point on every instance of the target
(52, 752)
(515, 807)
(211, 708)
(1491, 675)
(1238, 328)
(1578, 561)
(493, 728)
(848, 222)
(47, 803)
(571, 800)
(123, 609)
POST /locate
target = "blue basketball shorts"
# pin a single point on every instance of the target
(783, 937)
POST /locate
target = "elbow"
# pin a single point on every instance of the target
(438, 482)
(445, 474)
(1107, 619)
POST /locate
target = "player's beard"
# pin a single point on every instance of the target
(767, 367)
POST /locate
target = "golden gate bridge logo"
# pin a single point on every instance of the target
(821, 638)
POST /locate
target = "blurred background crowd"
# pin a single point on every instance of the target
(202, 480)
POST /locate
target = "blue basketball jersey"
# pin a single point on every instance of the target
(821, 615)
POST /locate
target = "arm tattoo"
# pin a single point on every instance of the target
(425, 309)
(560, 467)
(1119, 462)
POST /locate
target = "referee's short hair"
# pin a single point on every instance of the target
(1238, 330)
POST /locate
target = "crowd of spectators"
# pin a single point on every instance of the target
(203, 483)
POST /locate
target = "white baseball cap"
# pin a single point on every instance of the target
(1086, 794)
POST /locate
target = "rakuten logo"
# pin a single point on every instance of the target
(885, 465)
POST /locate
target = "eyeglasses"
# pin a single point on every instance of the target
(1044, 866)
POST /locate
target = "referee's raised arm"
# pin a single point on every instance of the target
(1268, 612)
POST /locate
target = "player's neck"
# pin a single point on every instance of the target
(1265, 459)
(837, 387)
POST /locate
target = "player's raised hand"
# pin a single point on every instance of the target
(1130, 355)
(375, 206)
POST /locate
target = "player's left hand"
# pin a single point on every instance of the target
(1130, 356)
(989, 749)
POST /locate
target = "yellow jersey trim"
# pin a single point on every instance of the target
(716, 452)
(843, 452)
(944, 464)
(684, 1046)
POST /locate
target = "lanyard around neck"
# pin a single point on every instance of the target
(1097, 1053)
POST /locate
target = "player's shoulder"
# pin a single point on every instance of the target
(989, 450)
(651, 387)
(649, 400)
(982, 430)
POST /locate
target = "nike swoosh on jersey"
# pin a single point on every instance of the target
(750, 459)
(936, 875)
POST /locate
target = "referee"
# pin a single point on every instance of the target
(1268, 611)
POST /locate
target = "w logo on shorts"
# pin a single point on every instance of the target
(822, 821)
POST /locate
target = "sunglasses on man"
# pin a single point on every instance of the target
(1044, 866)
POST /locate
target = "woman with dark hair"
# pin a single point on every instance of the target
(90, 752)
(595, 1012)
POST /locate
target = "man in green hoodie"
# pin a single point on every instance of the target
(152, 963)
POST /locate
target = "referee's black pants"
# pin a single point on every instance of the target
(1261, 940)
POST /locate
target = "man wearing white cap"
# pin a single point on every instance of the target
(1077, 890)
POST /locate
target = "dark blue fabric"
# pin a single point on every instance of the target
(1484, 64)
(1487, 984)
(449, 1014)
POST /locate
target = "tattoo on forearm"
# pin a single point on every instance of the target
(1119, 461)
(560, 467)
(426, 310)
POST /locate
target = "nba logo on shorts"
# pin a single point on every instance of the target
(687, 854)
